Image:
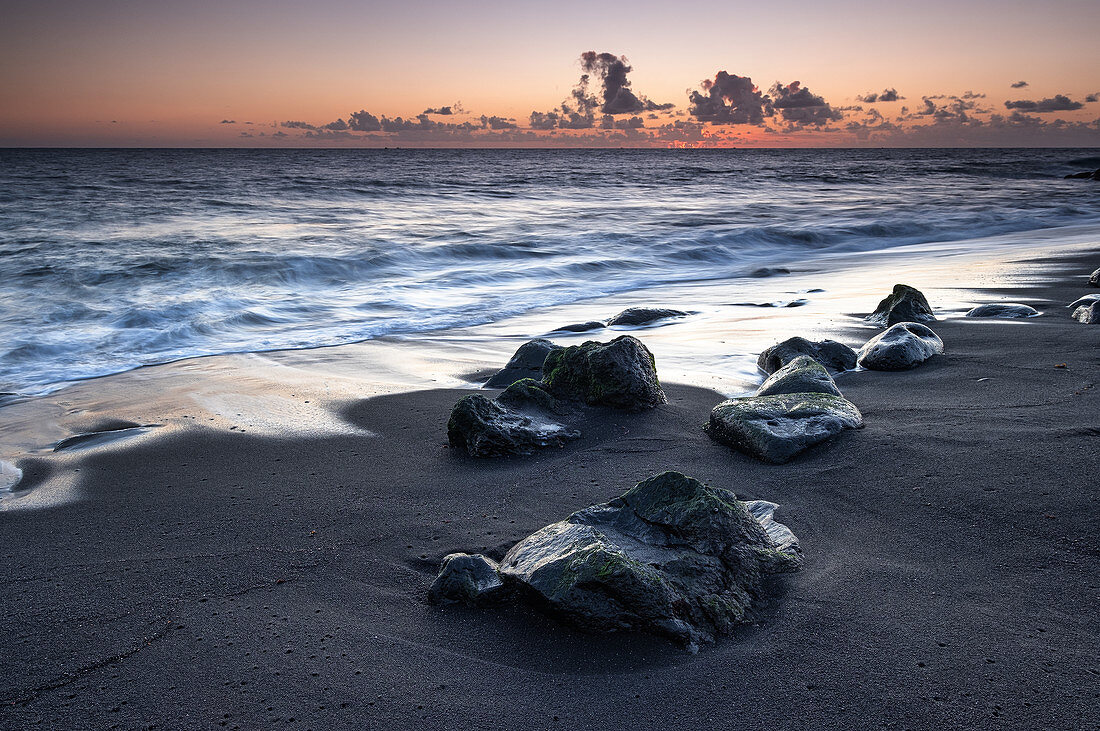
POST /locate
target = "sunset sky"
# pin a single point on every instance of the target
(276, 73)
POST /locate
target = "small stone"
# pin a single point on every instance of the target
(582, 327)
(904, 304)
(467, 579)
(1088, 314)
(769, 272)
(1094, 280)
(1003, 310)
(905, 345)
(644, 316)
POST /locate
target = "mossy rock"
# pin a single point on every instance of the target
(621, 374)
(526, 362)
(527, 394)
(671, 556)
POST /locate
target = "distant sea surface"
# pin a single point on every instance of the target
(112, 259)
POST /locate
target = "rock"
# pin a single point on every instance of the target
(621, 374)
(776, 428)
(466, 579)
(485, 428)
(769, 272)
(644, 315)
(905, 345)
(1087, 300)
(1088, 314)
(671, 556)
(526, 363)
(801, 375)
(1003, 310)
(1094, 280)
(904, 304)
(1086, 175)
(527, 394)
(828, 353)
(582, 327)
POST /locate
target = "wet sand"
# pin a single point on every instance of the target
(202, 577)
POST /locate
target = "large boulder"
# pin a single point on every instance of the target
(801, 375)
(777, 428)
(671, 556)
(905, 345)
(1003, 310)
(621, 374)
(904, 304)
(1088, 314)
(644, 315)
(829, 353)
(526, 363)
(466, 579)
(485, 428)
(1094, 279)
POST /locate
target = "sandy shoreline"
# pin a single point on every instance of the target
(260, 579)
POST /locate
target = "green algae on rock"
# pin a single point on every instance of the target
(777, 428)
(671, 556)
(621, 374)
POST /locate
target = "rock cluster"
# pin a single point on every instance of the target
(671, 556)
(630, 317)
(621, 374)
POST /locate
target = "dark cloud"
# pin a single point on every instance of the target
(1057, 103)
(611, 70)
(887, 95)
(497, 123)
(544, 120)
(729, 99)
(297, 125)
(228, 121)
(652, 106)
(609, 122)
(364, 121)
(799, 106)
(446, 111)
(279, 134)
(577, 121)
(1092, 98)
(338, 126)
(246, 134)
(1019, 84)
(972, 95)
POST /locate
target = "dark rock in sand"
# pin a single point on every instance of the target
(1094, 280)
(526, 363)
(621, 374)
(1086, 175)
(1085, 301)
(466, 579)
(1008, 310)
(769, 272)
(582, 327)
(904, 304)
(801, 375)
(777, 428)
(1088, 314)
(671, 556)
(903, 346)
(527, 394)
(829, 353)
(485, 428)
(644, 315)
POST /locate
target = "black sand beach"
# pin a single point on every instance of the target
(211, 579)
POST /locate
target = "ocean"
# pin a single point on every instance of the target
(114, 259)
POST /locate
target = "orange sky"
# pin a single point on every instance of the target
(119, 72)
